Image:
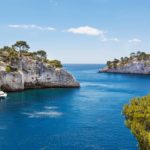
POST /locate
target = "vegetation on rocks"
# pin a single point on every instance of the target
(139, 56)
(22, 69)
(137, 115)
(11, 56)
(11, 69)
(55, 63)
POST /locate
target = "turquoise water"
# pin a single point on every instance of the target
(88, 118)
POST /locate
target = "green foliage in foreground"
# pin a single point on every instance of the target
(137, 115)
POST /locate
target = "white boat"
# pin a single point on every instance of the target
(3, 94)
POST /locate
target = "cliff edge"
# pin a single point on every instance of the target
(20, 70)
(137, 63)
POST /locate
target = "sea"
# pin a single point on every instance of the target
(85, 118)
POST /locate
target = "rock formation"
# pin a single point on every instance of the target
(135, 64)
(31, 71)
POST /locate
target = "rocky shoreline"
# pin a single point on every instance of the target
(122, 71)
(32, 70)
(137, 64)
(13, 82)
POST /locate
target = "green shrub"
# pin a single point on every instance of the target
(139, 56)
(137, 115)
(11, 69)
(8, 69)
(55, 63)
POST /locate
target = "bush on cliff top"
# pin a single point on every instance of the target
(55, 63)
(139, 56)
(21, 49)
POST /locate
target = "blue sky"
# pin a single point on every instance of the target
(77, 31)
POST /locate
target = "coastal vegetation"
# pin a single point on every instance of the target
(15, 53)
(137, 115)
(139, 56)
(22, 69)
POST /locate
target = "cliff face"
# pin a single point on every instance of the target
(134, 67)
(34, 74)
(135, 64)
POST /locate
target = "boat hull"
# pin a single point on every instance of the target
(3, 96)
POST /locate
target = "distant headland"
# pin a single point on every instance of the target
(22, 69)
(136, 63)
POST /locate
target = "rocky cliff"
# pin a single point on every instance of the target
(30, 71)
(138, 63)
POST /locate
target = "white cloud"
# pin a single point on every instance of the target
(86, 30)
(105, 39)
(114, 39)
(135, 40)
(91, 31)
(31, 26)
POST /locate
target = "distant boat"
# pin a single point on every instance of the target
(3, 94)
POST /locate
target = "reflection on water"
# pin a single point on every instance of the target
(49, 111)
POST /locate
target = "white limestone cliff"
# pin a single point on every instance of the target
(34, 74)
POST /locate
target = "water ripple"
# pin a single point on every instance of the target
(49, 111)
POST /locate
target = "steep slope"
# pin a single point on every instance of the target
(23, 70)
(136, 64)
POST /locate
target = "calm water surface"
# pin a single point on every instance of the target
(88, 118)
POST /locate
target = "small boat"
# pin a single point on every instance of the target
(3, 94)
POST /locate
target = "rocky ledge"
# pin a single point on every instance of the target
(137, 63)
(26, 70)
